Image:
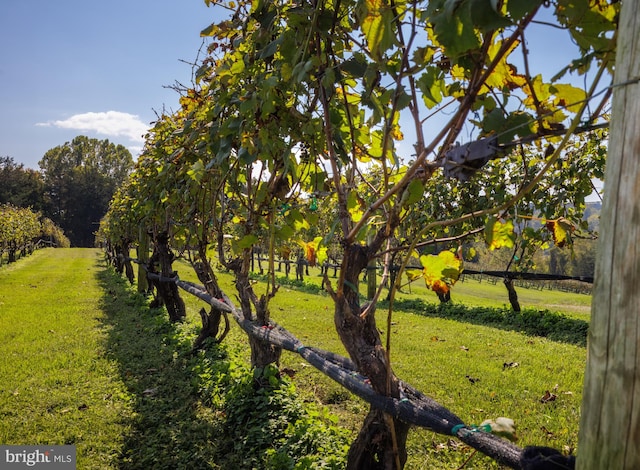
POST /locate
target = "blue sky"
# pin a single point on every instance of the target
(84, 67)
(87, 67)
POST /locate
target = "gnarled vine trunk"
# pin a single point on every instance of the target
(262, 353)
(143, 259)
(211, 320)
(168, 294)
(513, 295)
(381, 443)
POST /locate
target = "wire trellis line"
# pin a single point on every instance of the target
(412, 407)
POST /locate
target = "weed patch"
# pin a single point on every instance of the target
(205, 409)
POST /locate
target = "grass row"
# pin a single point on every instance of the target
(135, 396)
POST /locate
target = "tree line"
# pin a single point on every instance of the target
(73, 187)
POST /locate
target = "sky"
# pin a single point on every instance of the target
(102, 69)
(88, 67)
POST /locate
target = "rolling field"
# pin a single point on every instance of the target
(88, 363)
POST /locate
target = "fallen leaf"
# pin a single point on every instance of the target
(548, 396)
(464, 348)
(453, 444)
(439, 446)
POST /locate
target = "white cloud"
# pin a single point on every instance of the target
(135, 150)
(110, 123)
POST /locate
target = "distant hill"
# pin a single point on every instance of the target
(592, 215)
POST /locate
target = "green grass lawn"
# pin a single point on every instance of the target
(56, 384)
(88, 363)
(436, 356)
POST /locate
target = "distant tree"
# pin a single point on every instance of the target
(20, 186)
(80, 178)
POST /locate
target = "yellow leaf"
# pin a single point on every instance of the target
(312, 251)
(560, 229)
(355, 206)
(441, 271)
(499, 234)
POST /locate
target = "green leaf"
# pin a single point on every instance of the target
(454, 29)
(485, 17)
(197, 171)
(432, 85)
(296, 220)
(356, 66)
(238, 66)
(377, 26)
(246, 242)
(413, 193)
(285, 232)
(519, 8)
(271, 48)
(499, 234)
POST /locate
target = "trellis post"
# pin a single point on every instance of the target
(610, 420)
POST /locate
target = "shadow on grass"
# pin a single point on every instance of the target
(544, 323)
(168, 428)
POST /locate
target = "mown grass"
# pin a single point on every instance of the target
(438, 352)
(472, 292)
(139, 381)
(56, 385)
(440, 357)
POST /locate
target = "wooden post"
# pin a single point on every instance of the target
(610, 420)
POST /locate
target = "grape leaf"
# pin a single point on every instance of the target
(377, 25)
(560, 229)
(313, 252)
(441, 271)
(245, 242)
(498, 234)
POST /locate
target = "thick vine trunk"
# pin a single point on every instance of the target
(262, 353)
(610, 420)
(513, 295)
(167, 291)
(211, 320)
(128, 267)
(381, 443)
(143, 258)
